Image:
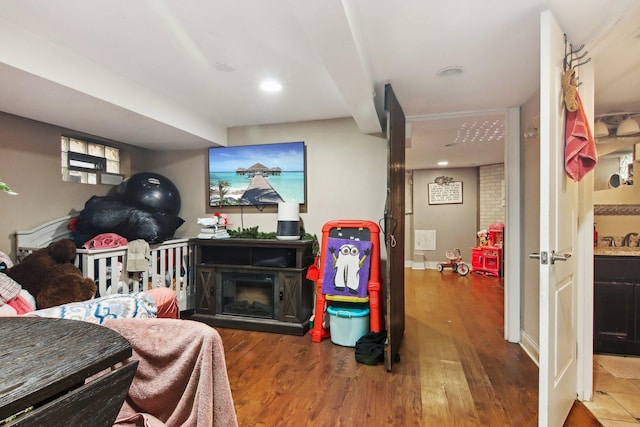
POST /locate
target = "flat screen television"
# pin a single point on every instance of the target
(257, 175)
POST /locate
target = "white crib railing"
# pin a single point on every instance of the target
(168, 267)
(168, 264)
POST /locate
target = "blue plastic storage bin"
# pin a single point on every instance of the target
(348, 323)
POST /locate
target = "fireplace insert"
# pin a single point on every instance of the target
(248, 294)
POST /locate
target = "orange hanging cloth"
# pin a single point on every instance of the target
(580, 155)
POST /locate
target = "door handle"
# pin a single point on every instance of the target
(542, 256)
(555, 257)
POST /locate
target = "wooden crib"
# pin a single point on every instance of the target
(168, 266)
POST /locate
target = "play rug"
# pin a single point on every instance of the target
(619, 366)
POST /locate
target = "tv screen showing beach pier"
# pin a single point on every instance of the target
(264, 174)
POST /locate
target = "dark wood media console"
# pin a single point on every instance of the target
(253, 284)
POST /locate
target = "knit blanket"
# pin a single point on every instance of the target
(9, 288)
(181, 378)
(13, 299)
(105, 240)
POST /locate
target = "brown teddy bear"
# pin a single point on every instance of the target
(51, 277)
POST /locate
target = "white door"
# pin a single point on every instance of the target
(558, 235)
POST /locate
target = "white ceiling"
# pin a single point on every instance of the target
(154, 73)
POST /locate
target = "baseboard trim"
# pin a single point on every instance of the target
(530, 347)
(431, 265)
(422, 265)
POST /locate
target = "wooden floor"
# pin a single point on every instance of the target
(456, 369)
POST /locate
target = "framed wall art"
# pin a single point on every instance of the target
(445, 193)
(256, 175)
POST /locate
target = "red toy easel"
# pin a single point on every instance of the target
(350, 229)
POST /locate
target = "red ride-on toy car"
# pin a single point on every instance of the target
(455, 263)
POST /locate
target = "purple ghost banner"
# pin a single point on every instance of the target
(346, 267)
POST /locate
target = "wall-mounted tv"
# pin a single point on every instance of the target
(257, 175)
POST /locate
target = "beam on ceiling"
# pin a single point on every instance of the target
(338, 47)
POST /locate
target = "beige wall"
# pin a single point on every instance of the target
(30, 164)
(530, 239)
(346, 171)
(490, 208)
(346, 175)
(455, 224)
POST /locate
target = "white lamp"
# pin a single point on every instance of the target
(627, 127)
(600, 129)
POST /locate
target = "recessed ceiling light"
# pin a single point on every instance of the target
(271, 86)
(453, 70)
(443, 163)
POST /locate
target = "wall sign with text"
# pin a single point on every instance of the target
(445, 194)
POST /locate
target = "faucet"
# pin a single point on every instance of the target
(625, 240)
(611, 240)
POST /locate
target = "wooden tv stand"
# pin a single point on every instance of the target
(253, 284)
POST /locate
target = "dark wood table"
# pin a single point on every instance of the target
(43, 367)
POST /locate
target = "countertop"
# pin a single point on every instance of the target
(617, 250)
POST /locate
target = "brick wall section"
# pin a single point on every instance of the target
(492, 195)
